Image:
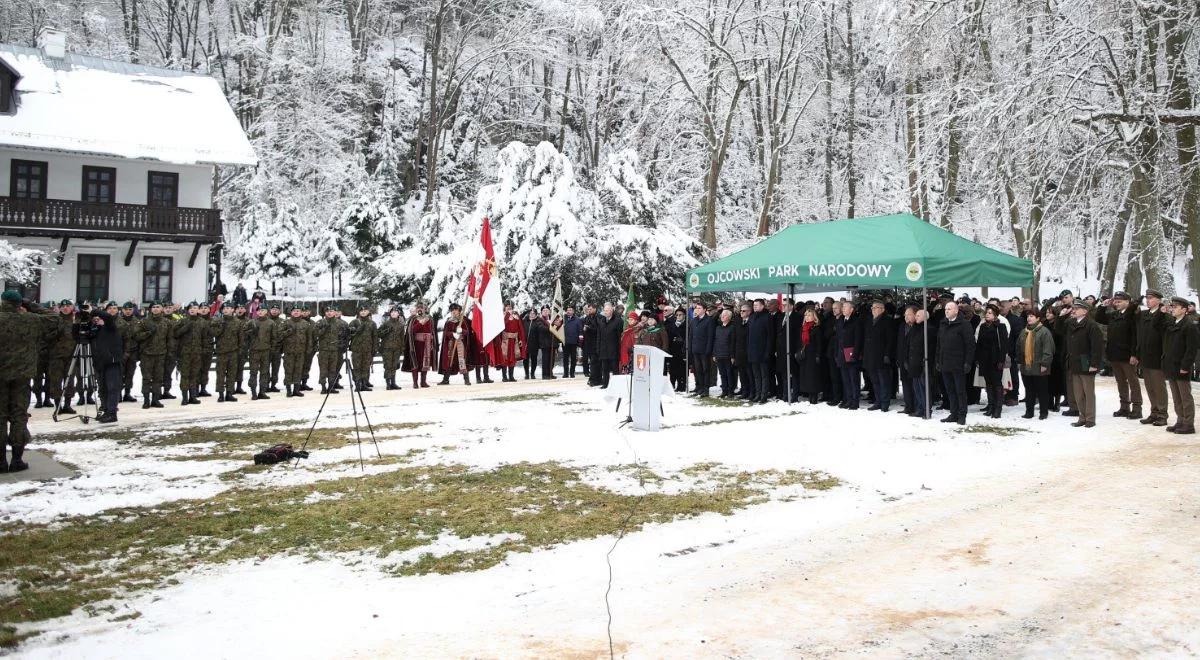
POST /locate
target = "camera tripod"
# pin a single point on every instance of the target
(81, 367)
(354, 407)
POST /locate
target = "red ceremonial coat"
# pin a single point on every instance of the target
(628, 340)
(422, 345)
(457, 355)
(511, 344)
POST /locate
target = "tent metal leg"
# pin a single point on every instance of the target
(927, 413)
(788, 339)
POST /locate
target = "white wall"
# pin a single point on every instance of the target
(65, 176)
(124, 283)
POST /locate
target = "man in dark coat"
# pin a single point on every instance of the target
(544, 341)
(758, 351)
(108, 355)
(590, 340)
(1181, 340)
(741, 354)
(531, 355)
(1015, 315)
(1085, 348)
(1152, 323)
(848, 351)
(609, 327)
(903, 337)
(676, 328)
(914, 363)
(829, 340)
(954, 359)
(787, 345)
(700, 345)
(1121, 317)
(572, 333)
(878, 347)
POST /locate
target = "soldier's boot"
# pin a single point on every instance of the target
(16, 437)
(128, 398)
(203, 391)
(220, 397)
(424, 379)
(296, 390)
(1135, 411)
(229, 396)
(445, 380)
(155, 403)
(184, 399)
(487, 375)
(467, 377)
(239, 389)
(304, 385)
(195, 393)
(324, 388)
(288, 389)
(1123, 411)
(145, 399)
(366, 384)
(166, 393)
(37, 398)
(260, 395)
(66, 408)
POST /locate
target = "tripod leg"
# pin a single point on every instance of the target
(314, 425)
(370, 428)
(354, 410)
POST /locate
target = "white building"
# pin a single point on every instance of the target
(108, 167)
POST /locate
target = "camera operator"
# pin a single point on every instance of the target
(108, 354)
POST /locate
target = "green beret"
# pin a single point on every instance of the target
(129, 305)
(1065, 292)
(11, 296)
(65, 302)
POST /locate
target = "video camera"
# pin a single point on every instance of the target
(83, 329)
(345, 333)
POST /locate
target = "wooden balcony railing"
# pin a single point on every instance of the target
(60, 217)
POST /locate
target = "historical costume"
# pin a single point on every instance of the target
(510, 346)
(422, 346)
(456, 354)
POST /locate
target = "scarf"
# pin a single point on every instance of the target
(1029, 344)
(806, 332)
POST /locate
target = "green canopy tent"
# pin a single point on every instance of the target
(882, 252)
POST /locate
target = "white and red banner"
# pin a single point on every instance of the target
(483, 292)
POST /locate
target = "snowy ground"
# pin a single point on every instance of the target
(1052, 541)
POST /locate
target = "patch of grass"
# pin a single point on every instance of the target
(1003, 431)
(751, 418)
(530, 396)
(718, 402)
(78, 562)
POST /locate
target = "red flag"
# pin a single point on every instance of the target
(483, 291)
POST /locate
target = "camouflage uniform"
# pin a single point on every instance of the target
(20, 334)
(127, 325)
(227, 330)
(328, 351)
(363, 339)
(295, 348)
(62, 347)
(153, 337)
(261, 336)
(276, 353)
(311, 353)
(206, 354)
(41, 379)
(191, 334)
(392, 341)
(171, 358)
(243, 354)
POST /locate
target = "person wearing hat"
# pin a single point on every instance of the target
(108, 353)
(243, 354)
(456, 337)
(205, 318)
(227, 337)
(295, 347)
(189, 335)
(1181, 340)
(61, 348)
(275, 355)
(23, 326)
(310, 327)
(1152, 324)
(259, 336)
(127, 322)
(422, 345)
(151, 335)
(1085, 347)
(364, 337)
(392, 341)
(171, 360)
(1121, 317)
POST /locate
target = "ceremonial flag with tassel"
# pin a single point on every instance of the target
(483, 293)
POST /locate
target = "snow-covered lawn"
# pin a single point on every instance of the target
(519, 489)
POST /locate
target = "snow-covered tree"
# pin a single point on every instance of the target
(19, 264)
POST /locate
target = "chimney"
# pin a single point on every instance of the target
(52, 43)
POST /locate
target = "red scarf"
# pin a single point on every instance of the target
(806, 332)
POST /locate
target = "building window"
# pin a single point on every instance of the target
(91, 278)
(7, 84)
(156, 278)
(99, 184)
(163, 190)
(28, 179)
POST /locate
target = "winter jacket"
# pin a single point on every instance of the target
(107, 346)
(1016, 325)
(703, 330)
(1151, 327)
(758, 343)
(260, 334)
(991, 348)
(656, 337)
(912, 354)
(228, 333)
(608, 337)
(788, 324)
(572, 329)
(850, 335)
(677, 338)
(363, 335)
(1122, 332)
(723, 346)
(1085, 346)
(591, 338)
(1043, 350)
(152, 333)
(879, 342)
(956, 346)
(741, 340)
(239, 296)
(1181, 340)
(21, 334)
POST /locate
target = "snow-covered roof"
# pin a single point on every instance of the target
(84, 104)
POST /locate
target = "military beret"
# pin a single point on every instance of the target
(1065, 292)
(11, 296)
(227, 304)
(193, 304)
(1121, 295)
(129, 305)
(1153, 293)
(65, 302)
(274, 305)
(1182, 302)
(111, 303)
(1079, 304)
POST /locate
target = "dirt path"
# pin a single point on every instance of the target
(1098, 556)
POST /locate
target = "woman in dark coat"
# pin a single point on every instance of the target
(812, 374)
(1058, 371)
(991, 349)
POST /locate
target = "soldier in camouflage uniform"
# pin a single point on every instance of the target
(276, 354)
(21, 331)
(295, 348)
(206, 352)
(260, 336)
(306, 314)
(392, 342)
(41, 378)
(328, 350)
(363, 339)
(243, 355)
(190, 335)
(62, 347)
(171, 314)
(153, 338)
(227, 332)
(127, 324)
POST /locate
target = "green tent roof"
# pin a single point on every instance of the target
(888, 251)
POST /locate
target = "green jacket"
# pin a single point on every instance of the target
(327, 334)
(127, 327)
(227, 331)
(282, 330)
(62, 342)
(153, 334)
(297, 339)
(261, 335)
(393, 336)
(1043, 350)
(363, 335)
(20, 334)
(190, 335)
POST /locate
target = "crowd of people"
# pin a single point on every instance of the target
(838, 352)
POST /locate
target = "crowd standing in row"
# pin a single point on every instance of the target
(833, 350)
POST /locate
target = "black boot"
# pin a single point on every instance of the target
(487, 376)
(324, 387)
(259, 395)
(184, 397)
(239, 389)
(166, 394)
(128, 398)
(445, 380)
(288, 388)
(154, 402)
(220, 397)
(203, 391)
(467, 378)
(296, 390)
(229, 396)
(145, 400)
